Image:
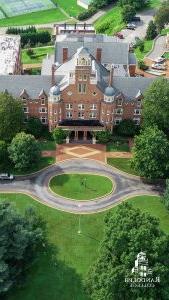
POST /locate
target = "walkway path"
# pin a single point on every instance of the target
(159, 48)
(36, 185)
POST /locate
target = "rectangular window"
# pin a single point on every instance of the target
(119, 111)
(81, 106)
(69, 115)
(26, 109)
(92, 115)
(82, 88)
(42, 101)
(136, 121)
(55, 111)
(93, 106)
(44, 120)
(69, 106)
(81, 115)
(80, 77)
(137, 111)
(84, 77)
(119, 102)
(43, 110)
(117, 121)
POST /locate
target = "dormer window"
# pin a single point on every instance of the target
(42, 101)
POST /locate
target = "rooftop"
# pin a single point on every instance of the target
(9, 48)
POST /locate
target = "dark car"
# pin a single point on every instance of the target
(6, 176)
(136, 19)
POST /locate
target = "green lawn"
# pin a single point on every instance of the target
(147, 48)
(70, 7)
(44, 162)
(40, 17)
(111, 22)
(123, 164)
(81, 186)
(38, 55)
(46, 145)
(75, 253)
(117, 146)
(166, 55)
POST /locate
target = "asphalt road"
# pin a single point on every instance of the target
(37, 186)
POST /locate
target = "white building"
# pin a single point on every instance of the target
(84, 3)
(10, 54)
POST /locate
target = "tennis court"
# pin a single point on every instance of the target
(19, 7)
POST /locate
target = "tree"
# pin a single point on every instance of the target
(142, 65)
(11, 116)
(24, 151)
(141, 46)
(127, 232)
(22, 238)
(155, 105)
(103, 137)
(34, 127)
(151, 153)
(59, 135)
(165, 197)
(151, 32)
(127, 128)
(128, 12)
(162, 15)
(137, 4)
(3, 153)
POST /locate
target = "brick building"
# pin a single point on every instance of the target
(87, 86)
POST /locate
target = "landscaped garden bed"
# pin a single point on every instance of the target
(81, 186)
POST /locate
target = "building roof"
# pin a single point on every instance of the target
(33, 85)
(9, 50)
(113, 50)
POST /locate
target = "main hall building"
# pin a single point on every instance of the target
(88, 85)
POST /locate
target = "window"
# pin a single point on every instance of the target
(94, 93)
(92, 115)
(81, 106)
(139, 102)
(80, 77)
(26, 109)
(136, 121)
(82, 88)
(55, 111)
(71, 75)
(84, 77)
(93, 106)
(119, 111)
(42, 101)
(55, 120)
(69, 106)
(44, 120)
(119, 102)
(69, 115)
(81, 115)
(117, 121)
(43, 110)
(137, 111)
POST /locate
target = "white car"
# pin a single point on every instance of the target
(131, 26)
(6, 176)
(158, 66)
(159, 59)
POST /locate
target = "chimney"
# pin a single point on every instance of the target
(111, 76)
(65, 54)
(99, 54)
(53, 81)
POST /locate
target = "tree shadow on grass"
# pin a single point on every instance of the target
(50, 279)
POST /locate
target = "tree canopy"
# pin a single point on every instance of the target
(34, 127)
(22, 238)
(128, 13)
(151, 153)
(162, 15)
(24, 151)
(155, 105)
(127, 232)
(11, 116)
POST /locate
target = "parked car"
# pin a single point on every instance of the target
(159, 60)
(6, 176)
(131, 26)
(119, 35)
(158, 66)
(136, 19)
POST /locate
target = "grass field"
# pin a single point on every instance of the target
(123, 164)
(47, 16)
(117, 146)
(38, 55)
(147, 48)
(47, 145)
(81, 186)
(75, 253)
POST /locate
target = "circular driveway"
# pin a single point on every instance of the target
(37, 186)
